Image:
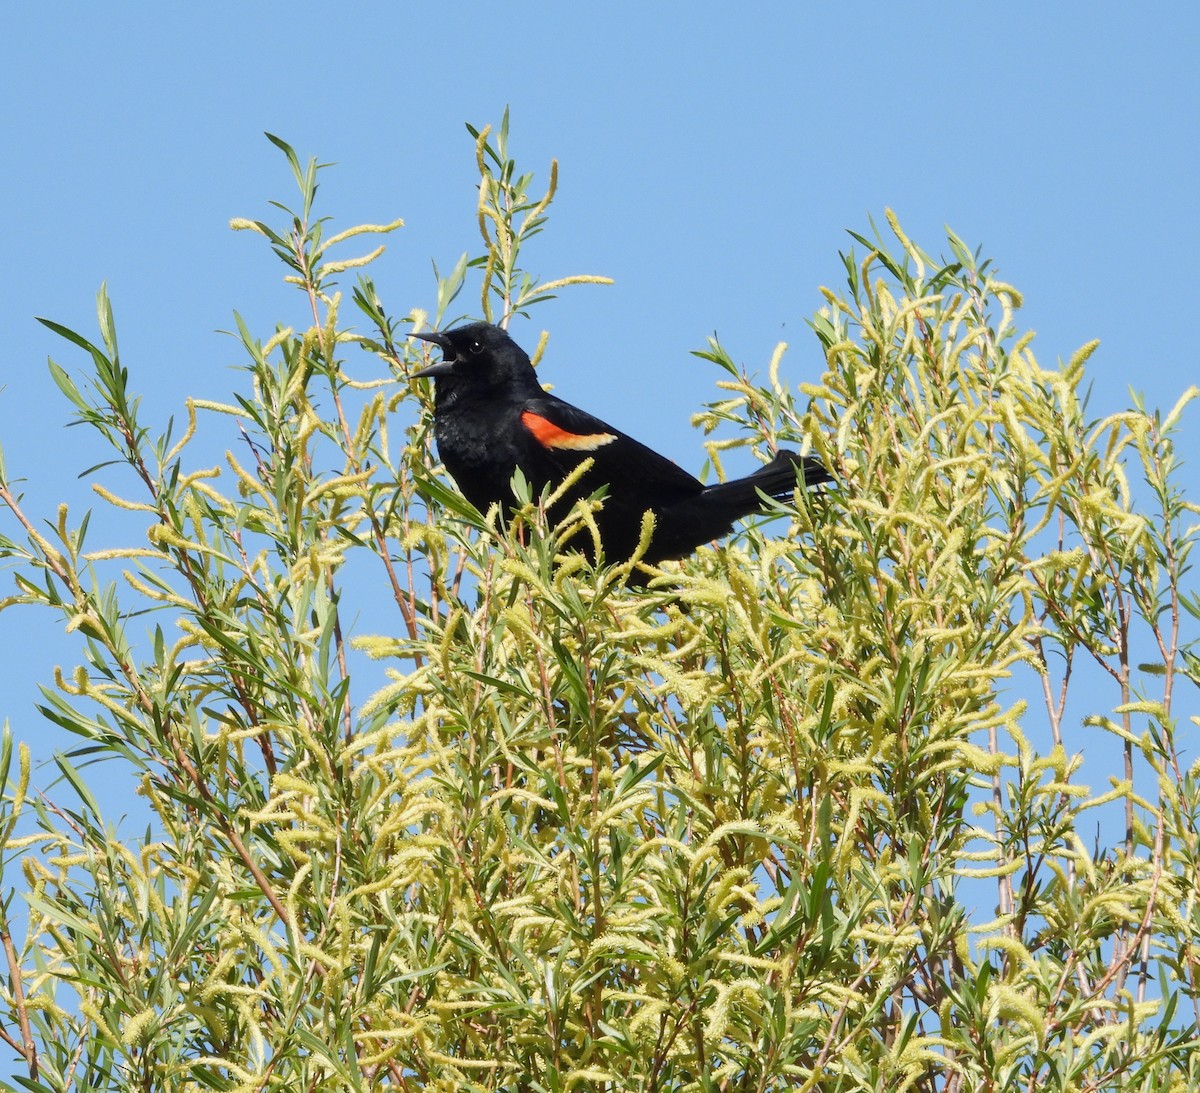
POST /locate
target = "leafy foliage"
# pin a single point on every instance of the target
(786, 820)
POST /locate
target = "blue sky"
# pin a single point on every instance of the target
(710, 162)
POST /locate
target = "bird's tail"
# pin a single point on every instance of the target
(711, 513)
(777, 479)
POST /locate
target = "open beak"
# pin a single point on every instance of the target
(445, 366)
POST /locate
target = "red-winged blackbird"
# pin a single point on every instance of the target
(491, 416)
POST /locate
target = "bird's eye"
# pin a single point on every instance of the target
(476, 346)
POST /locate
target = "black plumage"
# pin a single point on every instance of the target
(491, 416)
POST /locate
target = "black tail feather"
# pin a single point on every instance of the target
(776, 479)
(709, 515)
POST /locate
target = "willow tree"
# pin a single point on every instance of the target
(810, 810)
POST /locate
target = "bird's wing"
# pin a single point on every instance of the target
(570, 435)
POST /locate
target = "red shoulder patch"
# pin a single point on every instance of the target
(549, 435)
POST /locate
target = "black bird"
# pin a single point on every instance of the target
(491, 416)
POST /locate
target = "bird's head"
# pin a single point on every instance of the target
(480, 357)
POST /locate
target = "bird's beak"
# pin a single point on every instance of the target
(445, 366)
